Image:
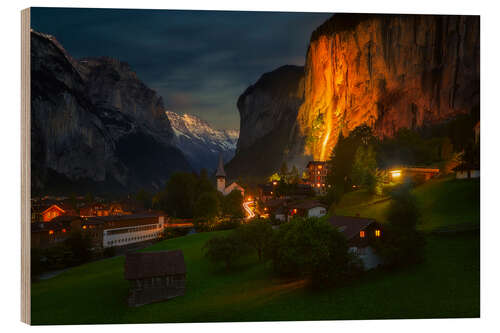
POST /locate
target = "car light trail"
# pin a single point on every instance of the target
(246, 206)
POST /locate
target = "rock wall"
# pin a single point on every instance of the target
(268, 111)
(387, 71)
(94, 124)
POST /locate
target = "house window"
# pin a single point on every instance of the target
(377, 233)
(362, 234)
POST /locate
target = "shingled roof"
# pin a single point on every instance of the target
(350, 226)
(141, 265)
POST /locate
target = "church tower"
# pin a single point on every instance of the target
(221, 176)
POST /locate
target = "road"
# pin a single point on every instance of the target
(246, 206)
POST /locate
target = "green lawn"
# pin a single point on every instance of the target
(446, 204)
(446, 285)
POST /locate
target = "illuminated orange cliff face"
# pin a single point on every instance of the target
(387, 72)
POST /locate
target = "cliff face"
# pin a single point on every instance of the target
(387, 71)
(268, 111)
(95, 125)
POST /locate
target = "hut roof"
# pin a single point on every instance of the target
(140, 265)
(350, 226)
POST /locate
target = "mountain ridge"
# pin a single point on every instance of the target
(200, 141)
(94, 125)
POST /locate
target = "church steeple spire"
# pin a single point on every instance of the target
(220, 169)
(221, 176)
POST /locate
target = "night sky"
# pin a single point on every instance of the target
(199, 61)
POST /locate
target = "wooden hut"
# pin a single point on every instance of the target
(155, 276)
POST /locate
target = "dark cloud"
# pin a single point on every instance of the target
(199, 61)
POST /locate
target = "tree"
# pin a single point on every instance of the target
(294, 175)
(89, 198)
(275, 177)
(402, 244)
(257, 235)
(311, 248)
(79, 246)
(181, 194)
(284, 173)
(225, 249)
(232, 204)
(364, 168)
(144, 198)
(207, 205)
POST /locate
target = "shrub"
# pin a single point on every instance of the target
(109, 252)
(311, 248)
(402, 244)
(207, 205)
(79, 247)
(225, 249)
(256, 235)
(175, 232)
(216, 225)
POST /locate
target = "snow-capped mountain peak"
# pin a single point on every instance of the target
(200, 142)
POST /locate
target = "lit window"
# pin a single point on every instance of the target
(377, 233)
(320, 167)
(84, 227)
(362, 234)
(295, 210)
(51, 232)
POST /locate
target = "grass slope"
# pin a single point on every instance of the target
(446, 285)
(446, 204)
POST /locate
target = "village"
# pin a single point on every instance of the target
(94, 228)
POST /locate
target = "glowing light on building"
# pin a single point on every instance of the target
(51, 232)
(395, 173)
(377, 233)
(362, 234)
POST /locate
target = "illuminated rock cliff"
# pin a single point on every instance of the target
(387, 71)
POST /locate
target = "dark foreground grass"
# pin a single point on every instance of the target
(446, 285)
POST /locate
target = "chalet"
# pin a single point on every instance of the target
(269, 191)
(360, 234)
(155, 276)
(103, 231)
(309, 208)
(221, 181)
(124, 230)
(274, 208)
(467, 171)
(101, 209)
(416, 174)
(47, 210)
(317, 171)
(53, 232)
